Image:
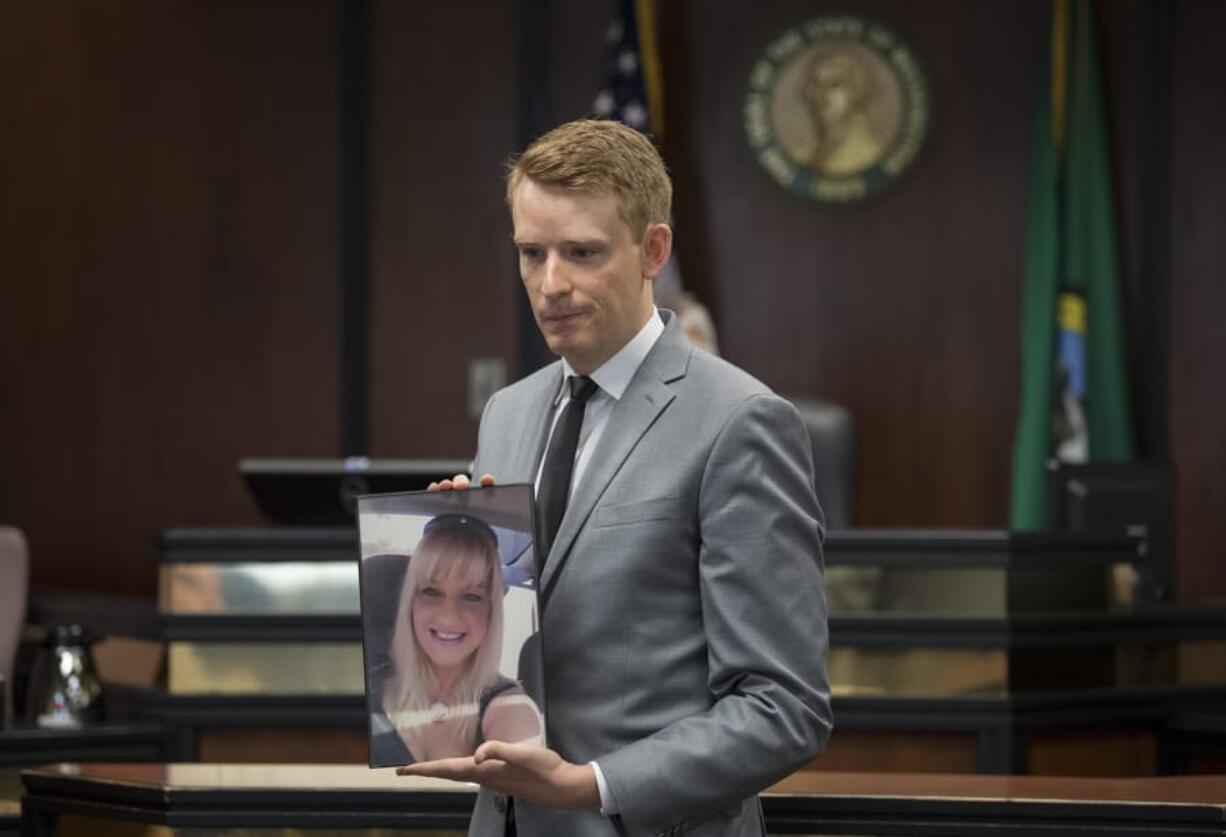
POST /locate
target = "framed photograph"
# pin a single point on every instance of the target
(450, 625)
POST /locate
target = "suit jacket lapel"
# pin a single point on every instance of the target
(633, 415)
(526, 457)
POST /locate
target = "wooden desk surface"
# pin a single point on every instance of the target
(189, 777)
(237, 795)
(1198, 790)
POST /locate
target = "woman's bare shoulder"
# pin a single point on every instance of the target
(512, 716)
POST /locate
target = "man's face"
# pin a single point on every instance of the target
(588, 281)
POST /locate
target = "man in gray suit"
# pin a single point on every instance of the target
(683, 616)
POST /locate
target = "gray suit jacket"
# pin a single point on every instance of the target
(684, 620)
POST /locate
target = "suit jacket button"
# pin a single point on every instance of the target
(500, 803)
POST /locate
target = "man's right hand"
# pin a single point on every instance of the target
(460, 482)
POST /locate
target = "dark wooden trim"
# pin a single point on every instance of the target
(920, 548)
(929, 548)
(355, 230)
(1054, 631)
(101, 614)
(263, 628)
(1154, 227)
(924, 817)
(240, 544)
(898, 808)
(534, 107)
(241, 710)
(110, 742)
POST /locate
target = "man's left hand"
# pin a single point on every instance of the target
(533, 774)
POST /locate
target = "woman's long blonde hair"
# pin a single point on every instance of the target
(452, 544)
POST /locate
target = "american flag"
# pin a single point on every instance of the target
(632, 93)
(625, 95)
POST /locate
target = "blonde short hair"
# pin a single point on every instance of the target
(600, 156)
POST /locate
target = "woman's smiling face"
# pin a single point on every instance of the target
(451, 616)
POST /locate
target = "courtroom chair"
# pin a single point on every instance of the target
(14, 582)
(382, 578)
(1135, 496)
(1192, 744)
(832, 434)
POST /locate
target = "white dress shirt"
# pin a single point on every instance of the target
(612, 377)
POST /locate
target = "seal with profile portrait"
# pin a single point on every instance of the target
(837, 109)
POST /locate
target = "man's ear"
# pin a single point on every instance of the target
(657, 247)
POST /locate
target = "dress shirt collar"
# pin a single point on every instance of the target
(614, 375)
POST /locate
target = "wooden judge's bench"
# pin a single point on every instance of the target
(967, 667)
(951, 651)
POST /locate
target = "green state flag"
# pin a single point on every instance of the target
(1074, 403)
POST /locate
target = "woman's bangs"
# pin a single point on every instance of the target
(471, 568)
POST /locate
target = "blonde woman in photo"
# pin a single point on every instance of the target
(446, 696)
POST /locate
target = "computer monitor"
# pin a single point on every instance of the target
(321, 492)
(1119, 495)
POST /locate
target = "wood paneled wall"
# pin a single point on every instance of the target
(443, 274)
(170, 225)
(1198, 296)
(903, 308)
(445, 283)
(168, 253)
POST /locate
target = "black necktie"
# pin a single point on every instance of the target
(560, 463)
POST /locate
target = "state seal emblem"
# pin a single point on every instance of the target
(837, 109)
